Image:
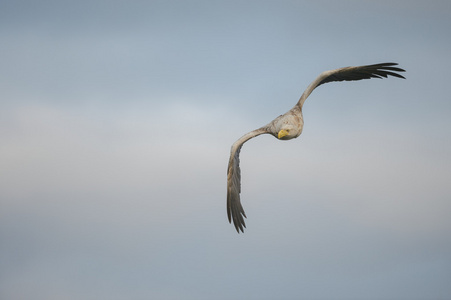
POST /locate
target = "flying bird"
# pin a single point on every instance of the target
(289, 126)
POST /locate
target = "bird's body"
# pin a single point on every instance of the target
(289, 126)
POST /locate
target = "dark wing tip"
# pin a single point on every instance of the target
(235, 212)
(382, 70)
(239, 224)
(389, 69)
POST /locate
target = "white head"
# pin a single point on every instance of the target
(287, 132)
(289, 127)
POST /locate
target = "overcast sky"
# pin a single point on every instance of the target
(116, 121)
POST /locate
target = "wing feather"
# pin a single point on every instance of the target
(352, 73)
(235, 211)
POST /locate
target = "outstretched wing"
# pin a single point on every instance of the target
(352, 73)
(235, 210)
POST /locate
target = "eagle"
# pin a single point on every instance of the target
(289, 126)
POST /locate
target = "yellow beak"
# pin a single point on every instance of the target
(282, 133)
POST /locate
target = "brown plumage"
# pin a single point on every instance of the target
(289, 126)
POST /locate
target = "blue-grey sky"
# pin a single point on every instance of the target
(116, 122)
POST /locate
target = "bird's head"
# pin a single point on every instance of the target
(288, 132)
(287, 127)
